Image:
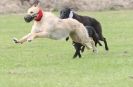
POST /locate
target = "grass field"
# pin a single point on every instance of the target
(49, 63)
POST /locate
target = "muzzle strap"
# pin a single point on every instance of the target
(39, 15)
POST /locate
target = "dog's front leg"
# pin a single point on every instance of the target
(23, 39)
(38, 35)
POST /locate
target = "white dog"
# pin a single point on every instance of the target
(47, 25)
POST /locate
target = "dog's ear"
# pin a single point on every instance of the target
(36, 3)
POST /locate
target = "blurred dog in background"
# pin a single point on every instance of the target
(95, 26)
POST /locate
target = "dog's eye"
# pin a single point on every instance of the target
(61, 12)
(31, 12)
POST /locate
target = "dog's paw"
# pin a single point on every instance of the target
(67, 38)
(29, 40)
(15, 40)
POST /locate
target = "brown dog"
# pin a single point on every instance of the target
(47, 25)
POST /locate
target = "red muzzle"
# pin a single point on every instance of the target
(39, 15)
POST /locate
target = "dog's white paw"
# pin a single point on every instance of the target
(15, 40)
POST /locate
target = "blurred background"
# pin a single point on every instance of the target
(20, 6)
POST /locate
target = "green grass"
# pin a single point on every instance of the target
(49, 63)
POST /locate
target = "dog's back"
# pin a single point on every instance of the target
(61, 28)
(72, 22)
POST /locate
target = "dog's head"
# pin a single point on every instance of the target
(34, 13)
(66, 13)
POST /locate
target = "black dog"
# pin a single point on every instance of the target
(87, 21)
(79, 47)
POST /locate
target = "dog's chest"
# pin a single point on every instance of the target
(37, 29)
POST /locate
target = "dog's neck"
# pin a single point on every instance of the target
(39, 15)
(76, 16)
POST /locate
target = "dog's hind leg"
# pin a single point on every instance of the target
(82, 49)
(94, 47)
(97, 42)
(104, 40)
(100, 44)
(88, 45)
(91, 45)
(106, 45)
(77, 53)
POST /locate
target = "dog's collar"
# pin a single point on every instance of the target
(39, 15)
(71, 14)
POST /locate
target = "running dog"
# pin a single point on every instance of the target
(47, 25)
(86, 21)
(94, 26)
